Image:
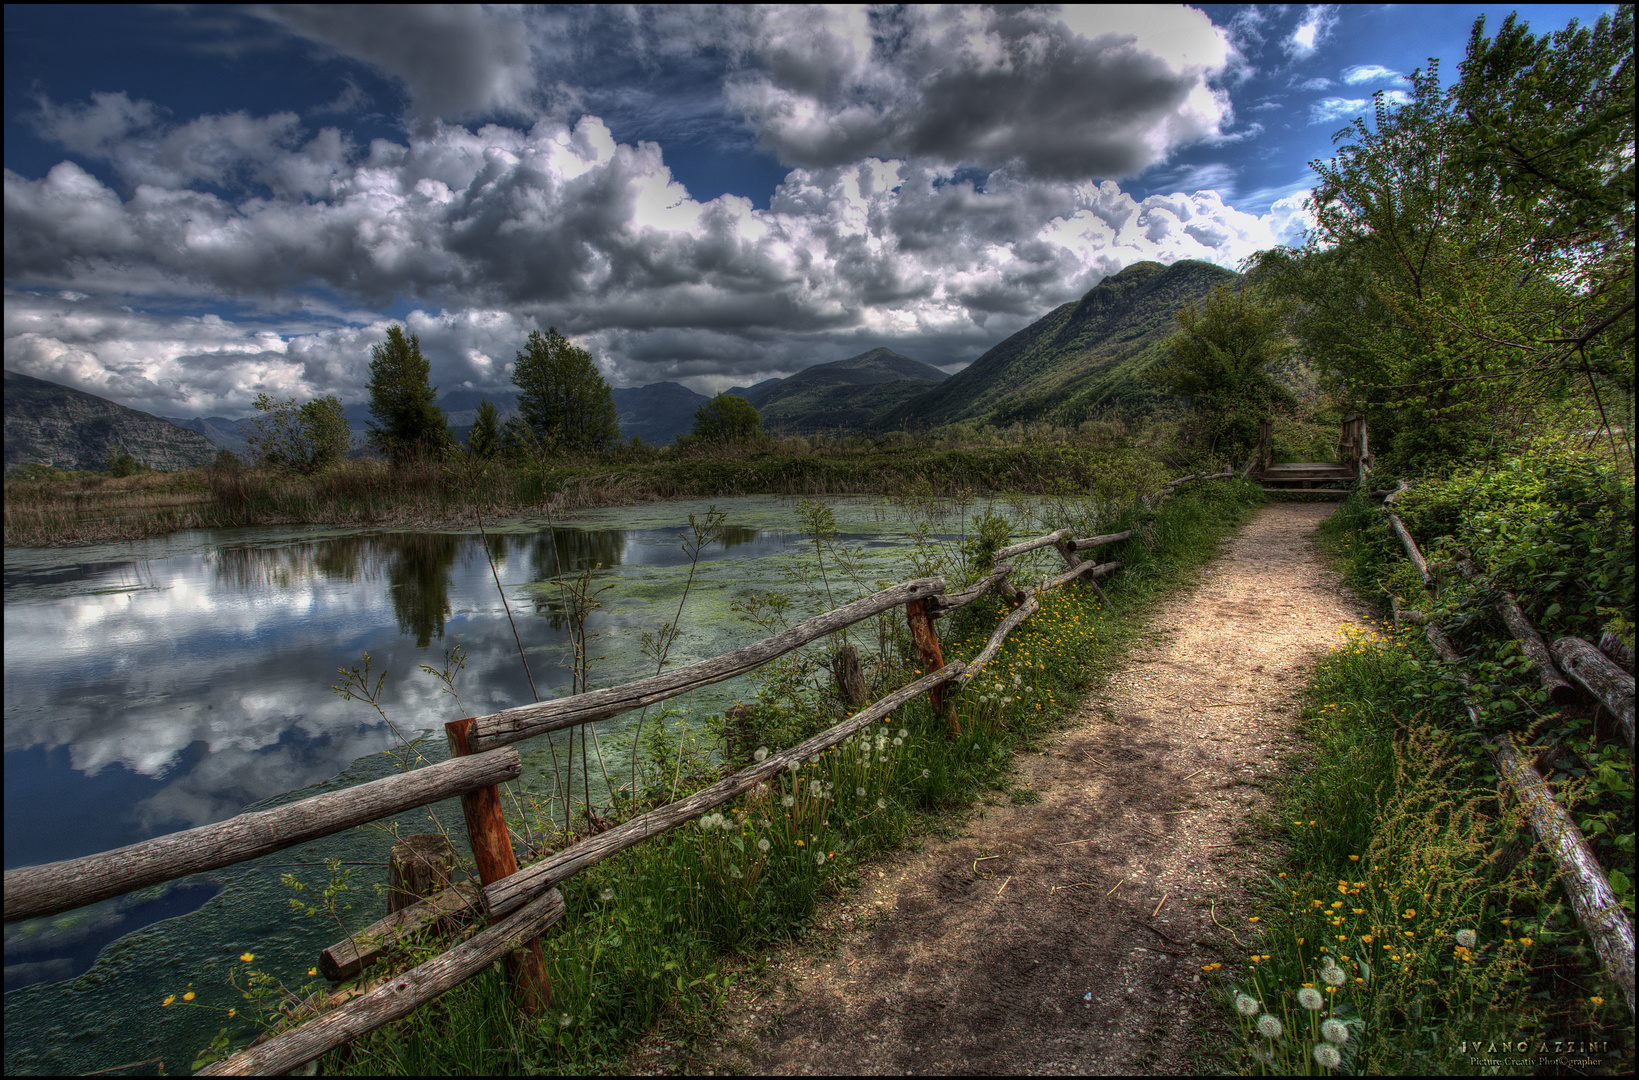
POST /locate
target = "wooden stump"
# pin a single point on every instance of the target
(850, 677)
(420, 867)
(927, 649)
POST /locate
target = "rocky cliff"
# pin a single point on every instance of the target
(70, 429)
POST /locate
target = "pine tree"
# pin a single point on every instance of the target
(409, 423)
(484, 440)
(562, 397)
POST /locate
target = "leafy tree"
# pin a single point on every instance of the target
(1220, 359)
(1473, 255)
(119, 462)
(484, 440)
(726, 418)
(409, 423)
(307, 438)
(562, 397)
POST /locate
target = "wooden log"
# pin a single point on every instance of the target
(940, 606)
(927, 649)
(1603, 679)
(850, 677)
(531, 881)
(1603, 919)
(527, 721)
(418, 867)
(352, 955)
(1559, 691)
(35, 891)
(1100, 541)
(1412, 553)
(394, 999)
(1032, 545)
(1617, 649)
(492, 851)
(1400, 488)
(1088, 570)
(1068, 552)
(988, 653)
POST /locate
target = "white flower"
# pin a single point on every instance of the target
(1269, 1026)
(1326, 1056)
(1310, 999)
(789, 801)
(904, 734)
(762, 845)
(606, 894)
(1333, 976)
(1334, 1031)
(1246, 1006)
(1467, 938)
(762, 752)
(819, 858)
(898, 741)
(924, 774)
(859, 793)
(882, 804)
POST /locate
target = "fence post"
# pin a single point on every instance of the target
(1266, 444)
(927, 648)
(492, 851)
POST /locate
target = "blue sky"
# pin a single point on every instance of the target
(205, 203)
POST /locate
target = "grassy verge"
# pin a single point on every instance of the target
(83, 508)
(1405, 921)
(657, 934)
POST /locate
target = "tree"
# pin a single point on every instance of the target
(120, 463)
(408, 421)
(1220, 359)
(484, 440)
(1473, 254)
(562, 397)
(726, 418)
(307, 438)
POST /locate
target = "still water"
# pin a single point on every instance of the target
(172, 683)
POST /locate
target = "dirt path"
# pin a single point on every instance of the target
(1050, 957)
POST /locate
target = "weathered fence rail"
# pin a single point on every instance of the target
(523, 902)
(1607, 925)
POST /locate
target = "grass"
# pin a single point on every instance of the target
(1404, 921)
(655, 935)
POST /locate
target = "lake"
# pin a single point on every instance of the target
(166, 684)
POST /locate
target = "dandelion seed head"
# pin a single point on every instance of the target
(1245, 1005)
(762, 845)
(1326, 1056)
(606, 895)
(1310, 998)
(859, 793)
(1333, 976)
(789, 801)
(1334, 1031)
(762, 752)
(1467, 938)
(1269, 1027)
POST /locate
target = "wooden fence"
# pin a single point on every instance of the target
(522, 903)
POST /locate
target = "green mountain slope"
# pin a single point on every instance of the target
(1081, 356)
(847, 394)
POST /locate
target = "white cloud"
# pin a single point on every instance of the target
(1314, 84)
(1336, 108)
(1317, 25)
(502, 230)
(1368, 73)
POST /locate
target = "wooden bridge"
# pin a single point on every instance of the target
(1327, 478)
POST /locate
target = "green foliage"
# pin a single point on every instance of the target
(726, 418)
(307, 438)
(1221, 359)
(563, 399)
(484, 440)
(1472, 263)
(119, 463)
(409, 424)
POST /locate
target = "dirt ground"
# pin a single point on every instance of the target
(1068, 935)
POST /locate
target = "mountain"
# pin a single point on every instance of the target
(57, 425)
(658, 412)
(844, 395)
(1078, 357)
(223, 433)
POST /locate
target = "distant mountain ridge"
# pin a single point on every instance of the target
(1079, 357)
(845, 395)
(51, 424)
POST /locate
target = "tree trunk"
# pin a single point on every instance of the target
(1617, 649)
(927, 648)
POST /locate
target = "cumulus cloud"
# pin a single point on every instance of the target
(456, 60)
(488, 234)
(1336, 108)
(1317, 25)
(1094, 92)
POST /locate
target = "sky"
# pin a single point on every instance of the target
(207, 203)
